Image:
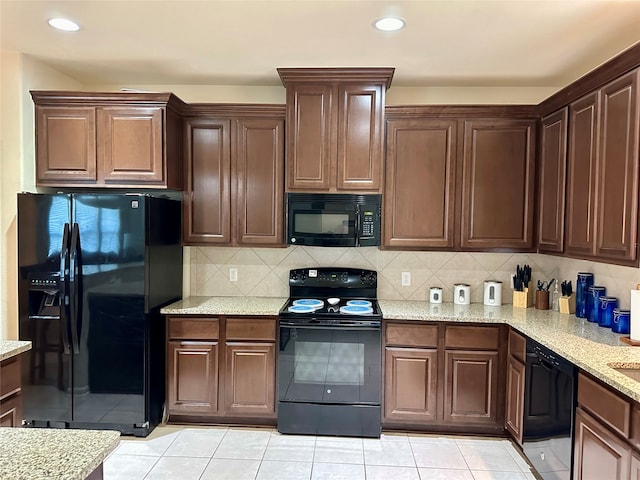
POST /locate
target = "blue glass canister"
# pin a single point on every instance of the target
(585, 280)
(593, 306)
(607, 305)
(621, 321)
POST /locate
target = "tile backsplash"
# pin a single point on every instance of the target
(264, 271)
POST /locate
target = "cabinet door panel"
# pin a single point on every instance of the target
(130, 144)
(553, 166)
(498, 182)
(310, 139)
(260, 186)
(192, 377)
(515, 398)
(359, 135)
(250, 379)
(420, 188)
(207, 195)
(618, 169)
(66, 145)
(598, 453)
(471, 387)
(581, 180)
(410, 384)
(11, 412)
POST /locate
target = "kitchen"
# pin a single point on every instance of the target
(263, 271)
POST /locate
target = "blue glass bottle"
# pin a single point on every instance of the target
(585, 280)
(607, 305)
(593, 305)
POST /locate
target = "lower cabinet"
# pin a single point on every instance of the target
(410, 386)
(10, 393)
(446, 377)
(599, 454)
(221, 369)
(514, 401)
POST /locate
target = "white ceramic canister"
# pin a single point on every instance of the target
(462, 294)
(435, 295)
(492, 293)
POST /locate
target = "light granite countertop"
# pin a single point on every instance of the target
(11, 348)
(588, 346)
(225, 306)
(44, 454)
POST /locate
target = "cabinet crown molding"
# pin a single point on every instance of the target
(65, 98)
(382, 75)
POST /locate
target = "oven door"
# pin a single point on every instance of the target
(330, 365)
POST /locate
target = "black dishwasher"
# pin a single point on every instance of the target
(549, 409)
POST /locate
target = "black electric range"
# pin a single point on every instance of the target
(330, 355)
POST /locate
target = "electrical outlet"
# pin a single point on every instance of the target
(233, 274)
(406, 279)
(513, 275)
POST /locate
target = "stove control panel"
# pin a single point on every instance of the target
(333, 277)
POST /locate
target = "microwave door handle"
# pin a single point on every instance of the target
(357, 226)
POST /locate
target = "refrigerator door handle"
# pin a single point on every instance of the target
(64, 289)
(74, 280)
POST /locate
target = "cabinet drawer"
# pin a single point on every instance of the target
(9, 377)
(194, 328)
(251, 329)
(481, 338)
(517, 346)
(604, 404)
(411, 335)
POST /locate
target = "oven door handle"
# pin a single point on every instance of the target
(332, 327)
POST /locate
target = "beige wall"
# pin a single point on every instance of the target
(19, 75)
(264, 271)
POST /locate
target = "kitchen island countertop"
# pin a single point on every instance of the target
(43, 454)
(11, 348)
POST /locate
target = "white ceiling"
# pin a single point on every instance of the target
(531, 43)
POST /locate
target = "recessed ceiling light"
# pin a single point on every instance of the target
(389, 24)
(64, 24)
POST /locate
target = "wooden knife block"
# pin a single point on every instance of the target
(567, 304)
(523, 299)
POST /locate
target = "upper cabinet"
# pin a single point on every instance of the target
(551, 181)
(602, 184)
(234, 171)
(334, 132)
(420, 183)
(443, 164)
(108, 139)
(498, 183)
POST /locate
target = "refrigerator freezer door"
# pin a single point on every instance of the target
(43, 241)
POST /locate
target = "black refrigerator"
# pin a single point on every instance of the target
(94, 271)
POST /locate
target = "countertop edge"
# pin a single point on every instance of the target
(11, 348)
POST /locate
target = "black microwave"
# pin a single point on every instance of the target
(333, 219)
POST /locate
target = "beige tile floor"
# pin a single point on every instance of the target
(221, 453)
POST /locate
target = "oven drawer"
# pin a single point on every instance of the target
(251, 329)
(411, 335)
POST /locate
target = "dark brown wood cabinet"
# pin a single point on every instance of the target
(234, 189)
(108, 139)
(420, 189)
(221, 369)
(551, 181)
(602, 185)
(598, 453)
(335, 128)
(498, 181)
(444, 377)
(10, 392)
(514, 401)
